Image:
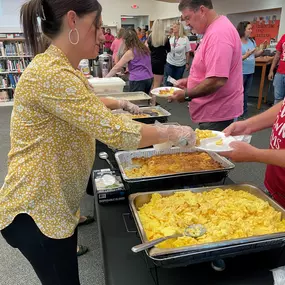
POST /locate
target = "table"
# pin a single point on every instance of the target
(263, 62)
(121, 266)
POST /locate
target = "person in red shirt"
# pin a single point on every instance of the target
(274, 157)
(279, 79)
(109, 38)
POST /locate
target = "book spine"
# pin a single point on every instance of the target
(4, 82)
(17, 48)
(14, 49)
(2, 50)
(12, 81)
(7, 50)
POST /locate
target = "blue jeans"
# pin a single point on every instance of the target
(279, 87)
(247, 83)
(175, 72)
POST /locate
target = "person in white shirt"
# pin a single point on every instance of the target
(178, 58)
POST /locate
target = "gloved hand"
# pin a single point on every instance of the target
(181, 136)
(130, 107)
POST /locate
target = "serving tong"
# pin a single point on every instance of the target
(194, 231)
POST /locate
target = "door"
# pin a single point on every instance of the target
(128, 26)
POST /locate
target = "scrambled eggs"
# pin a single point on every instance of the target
(203, 134)
(172, 163)
(220, 142)
(226, 214)
(166, 91)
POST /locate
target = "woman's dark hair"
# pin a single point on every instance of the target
(133, 42)
(51, 13)
(241, 27)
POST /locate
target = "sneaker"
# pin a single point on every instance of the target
(81, 250)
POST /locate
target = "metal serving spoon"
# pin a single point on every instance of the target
(105, 156)
(151, 113)
(194, 231)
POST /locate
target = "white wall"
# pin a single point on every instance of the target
(228, 7)
(112, 10)
(10, 16)
(225, 7)
(232, 6)
(240, 17)
(166, 10)
(169, 22)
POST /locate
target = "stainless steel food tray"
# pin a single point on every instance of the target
(138, 98)
(124, 160)
(199, 253)
(163, 112)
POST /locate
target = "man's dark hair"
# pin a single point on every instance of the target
(194, 4)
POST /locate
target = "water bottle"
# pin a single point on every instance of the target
(105, 70)
(84, 67)
(96, 69)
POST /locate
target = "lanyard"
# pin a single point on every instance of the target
(174, 45)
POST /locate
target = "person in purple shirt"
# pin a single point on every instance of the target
(138, 59)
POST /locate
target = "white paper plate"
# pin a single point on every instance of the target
(210, 143)
(156, 91)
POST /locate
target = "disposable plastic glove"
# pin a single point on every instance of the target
(130, 107)
(181, 136)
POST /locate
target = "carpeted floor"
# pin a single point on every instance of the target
(15, 270)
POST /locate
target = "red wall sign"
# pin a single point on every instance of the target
(265, 30)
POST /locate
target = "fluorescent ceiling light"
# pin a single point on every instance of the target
(127, 17)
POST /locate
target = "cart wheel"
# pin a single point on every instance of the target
(218, 265)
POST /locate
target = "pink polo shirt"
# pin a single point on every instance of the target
(219, 55)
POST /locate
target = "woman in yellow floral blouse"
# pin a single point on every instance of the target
(55, 122)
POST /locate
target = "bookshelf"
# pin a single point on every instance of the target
(15, 56)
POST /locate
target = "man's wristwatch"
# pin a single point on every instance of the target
(186, 97)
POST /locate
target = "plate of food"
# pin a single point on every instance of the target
(164, 91)
(213, 141)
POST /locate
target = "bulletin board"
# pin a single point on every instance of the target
(265, 29)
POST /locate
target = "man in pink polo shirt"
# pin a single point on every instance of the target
(215, 84)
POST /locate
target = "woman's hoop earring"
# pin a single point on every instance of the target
(69, 36)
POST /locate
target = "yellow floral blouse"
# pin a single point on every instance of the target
(55, 121)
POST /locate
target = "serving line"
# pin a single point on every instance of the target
(118, 234)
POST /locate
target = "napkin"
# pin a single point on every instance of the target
(279, 275)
